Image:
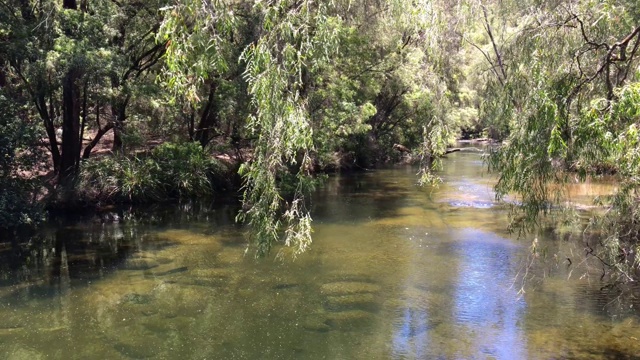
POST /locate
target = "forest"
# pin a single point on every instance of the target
(124, 101)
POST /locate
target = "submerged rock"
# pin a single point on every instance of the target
(361, 301)
(171, 271)
(212, 277)
(316, 322)
(163, 260)
(348, 319)
(10, 331)
(186, 237)
(285, 286)
(136, 299)
(347, 288)
(24, 353)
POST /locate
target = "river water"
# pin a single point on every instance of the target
(395, 272)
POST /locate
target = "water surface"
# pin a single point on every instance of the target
(395, 272)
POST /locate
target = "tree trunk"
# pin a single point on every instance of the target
(3, 76)
(26, 10)
(47, 120)
(70, 156)
(101, 132)
(209, 117)
(119, 113)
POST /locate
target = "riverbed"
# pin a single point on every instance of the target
(395, 271)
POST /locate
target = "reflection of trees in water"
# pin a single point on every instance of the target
(72, 253)
(84, 247)
(364, 196)
(187, 213)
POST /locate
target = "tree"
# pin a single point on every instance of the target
(18, 157)
(74, 59)
(375, 89)
(565, 82)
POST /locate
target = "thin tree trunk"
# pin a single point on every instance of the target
(84, 115)
(47, 121)
(119, 112)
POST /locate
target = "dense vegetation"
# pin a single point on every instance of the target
(280, 91)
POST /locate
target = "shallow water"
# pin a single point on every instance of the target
(395, 272)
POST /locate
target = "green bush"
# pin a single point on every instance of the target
(16, 206)
(169, 171)
(18, 158)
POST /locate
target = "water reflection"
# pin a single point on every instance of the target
(484, 302)
(457, 298)
(411, 337)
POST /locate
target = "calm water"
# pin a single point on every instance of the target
(395, 272)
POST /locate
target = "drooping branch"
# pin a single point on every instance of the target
(493, 43)
(488, 58)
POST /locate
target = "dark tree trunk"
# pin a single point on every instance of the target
(3, 74)
(208, 118)
(47, 120)
(71, 102)
(26, 10)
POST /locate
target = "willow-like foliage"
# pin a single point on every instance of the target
(297, 37)
(614, 131)
(369, 69)
(564, 89)
(197, 34)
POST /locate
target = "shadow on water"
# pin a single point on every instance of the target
(364, 196)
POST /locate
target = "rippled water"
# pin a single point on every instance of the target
(395, 272)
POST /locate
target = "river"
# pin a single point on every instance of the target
(395, 271)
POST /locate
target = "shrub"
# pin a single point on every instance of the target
(169, 171)
(18, 158)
